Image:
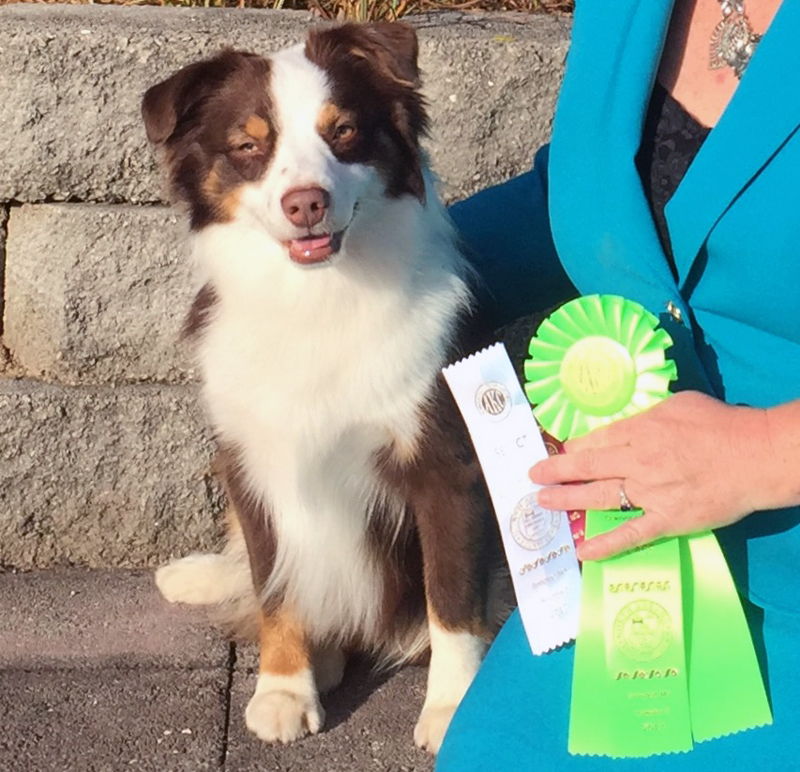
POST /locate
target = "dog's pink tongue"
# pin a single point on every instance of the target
(311, 250)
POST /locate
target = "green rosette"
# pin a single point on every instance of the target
(596, 360)
(663, 657)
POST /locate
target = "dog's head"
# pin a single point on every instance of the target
(291, 143)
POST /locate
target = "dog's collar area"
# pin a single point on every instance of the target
(315, 249)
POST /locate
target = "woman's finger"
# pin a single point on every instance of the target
(617, 433)
(595, 495)
(592, 464)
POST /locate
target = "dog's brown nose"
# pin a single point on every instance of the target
(305, 207)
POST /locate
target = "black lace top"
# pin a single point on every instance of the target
(670, 141)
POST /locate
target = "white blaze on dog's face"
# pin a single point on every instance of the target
(307, 196)
(291, 144)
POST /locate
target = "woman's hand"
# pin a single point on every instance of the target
(691, 463)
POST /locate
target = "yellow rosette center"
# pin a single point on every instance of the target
(598, 375)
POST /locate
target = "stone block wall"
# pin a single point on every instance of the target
(104, 456)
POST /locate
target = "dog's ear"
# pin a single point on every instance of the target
(391, 46)
(163, 102)
(166, 103)
(394, 47)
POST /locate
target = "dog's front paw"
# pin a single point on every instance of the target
(432, 725)
(283, 716)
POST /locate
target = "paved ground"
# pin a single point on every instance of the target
(99, 674)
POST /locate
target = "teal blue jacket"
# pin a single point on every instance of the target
(581, 218)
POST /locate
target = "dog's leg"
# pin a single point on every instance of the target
(329, 662)
(457, 636)
(447, 494)
(285, 706)
(456, 656)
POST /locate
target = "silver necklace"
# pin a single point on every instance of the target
(733, 40)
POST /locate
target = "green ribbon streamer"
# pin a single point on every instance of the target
(726, 689)
(630, 687)
(664, 656)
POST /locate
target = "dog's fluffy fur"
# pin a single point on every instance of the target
(331, 289)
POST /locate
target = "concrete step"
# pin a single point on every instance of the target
(98, 672)
(97, 294)
(72, 78)
(103, 476)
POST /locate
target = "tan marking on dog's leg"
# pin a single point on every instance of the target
(456, 656)
(285, 706)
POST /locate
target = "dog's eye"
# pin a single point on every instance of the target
(247, 147)
(344, 131)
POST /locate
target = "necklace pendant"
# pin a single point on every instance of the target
(733, 43)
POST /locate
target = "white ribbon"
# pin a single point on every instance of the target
(537, 542)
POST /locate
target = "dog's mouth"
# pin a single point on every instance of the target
(315, 249)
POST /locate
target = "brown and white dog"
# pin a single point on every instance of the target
(331, 291)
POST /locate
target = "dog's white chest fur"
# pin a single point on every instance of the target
(310, 372)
